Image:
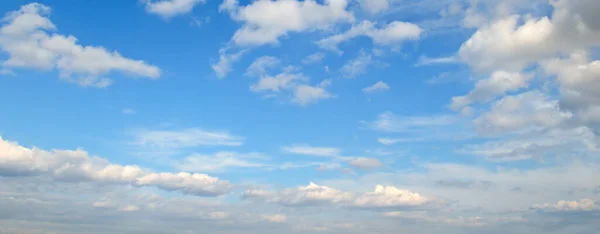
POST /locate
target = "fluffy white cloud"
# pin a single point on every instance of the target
(171, 8)
(307, 94)
(375, 6)
(389, 197)
(511, 45)
(294, 84)
(392, 34)
(78, 166)
(562, 205)
(266, 21)
(487, 89)
(383, 197)
(25, 37)
(579, 79)
(522, 112)
(278, 83)
(380, 86)
(365, 163)
(185, 138)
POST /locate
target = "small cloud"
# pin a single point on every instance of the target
(314, 58)
(426, 61)
(380, 86)
(365, 163)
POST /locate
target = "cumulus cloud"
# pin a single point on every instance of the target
(264, 22)
(513, 42)
(25, 36)
(380, 86)
(525, 111)
(170, 8)
(307, 94)
(78, 166)
(276, 218)
(392, 34)
(383, 197)
(487, 89)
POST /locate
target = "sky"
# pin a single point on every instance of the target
(288, 116)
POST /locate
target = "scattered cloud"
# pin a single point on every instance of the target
(392, 34)
(185, 138)
(365, 163)
(313, 58)
(264, 22)
(380, 86)
(25, 37)
(171, 8)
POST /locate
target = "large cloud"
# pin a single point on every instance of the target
(25, 37)
(265, 21)
(77, 165)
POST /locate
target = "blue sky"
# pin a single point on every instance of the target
(362, 116)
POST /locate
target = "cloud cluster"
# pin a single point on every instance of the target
(264, 22)
(26, 36)
(383, 197)
(78, 166)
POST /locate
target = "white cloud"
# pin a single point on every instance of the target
(380, 86)
(487, 89)
(185, 138)
(392, 34)
(365, 163)
(375, 6)
(525, 111)
(170, 8)
(226, 59)
(513, 42)
(266, 21)
(312, 150)
(389, 197)
(425, 61)
(565, 206)
(278, 83)
(383, 197)
(103, 204)
(78, 166)
(313, 58)
(218, 215)
(393, 141)
(389, 122)
(307, 94)
(357, 66)
(261, 65)
(25, 37)
(220, 162)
